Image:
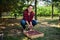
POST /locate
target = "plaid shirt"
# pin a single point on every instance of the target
(27, 17)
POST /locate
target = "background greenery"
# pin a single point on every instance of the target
(17, 7)
(47, 11)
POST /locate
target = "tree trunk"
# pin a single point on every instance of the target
(52, 10)
(59, 18)
(0, 14)
(35, 9)
(15, 15)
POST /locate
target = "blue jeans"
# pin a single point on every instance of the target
(23, 23)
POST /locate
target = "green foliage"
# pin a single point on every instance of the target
(56, 0)
(7, 5)
(57, 4)
(13, 6)
(46, 11)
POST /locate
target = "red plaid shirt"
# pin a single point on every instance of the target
(27, 17)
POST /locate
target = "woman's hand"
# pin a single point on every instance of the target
(30, 26)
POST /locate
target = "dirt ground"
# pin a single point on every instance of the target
(11, 27)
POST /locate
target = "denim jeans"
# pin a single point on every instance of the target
(23, 23)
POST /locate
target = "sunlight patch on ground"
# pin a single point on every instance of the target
(25, 38)
(48, 21)
(10, 24)
(44, 23)
(55, 26)
(17, 23)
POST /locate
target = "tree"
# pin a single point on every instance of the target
(56, 0)
(7, 5)
(57, 5)
(52, 9)
(36, 9)
(12, 5)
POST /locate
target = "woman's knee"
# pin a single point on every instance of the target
(23, 22)
(34, 22)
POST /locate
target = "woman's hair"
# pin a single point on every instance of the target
(30, 5)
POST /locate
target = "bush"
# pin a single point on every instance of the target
(46, 11)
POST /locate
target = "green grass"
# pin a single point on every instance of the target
(50, 33)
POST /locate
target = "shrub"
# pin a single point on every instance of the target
(46, 11)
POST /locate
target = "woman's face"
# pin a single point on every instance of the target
(30, 8)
